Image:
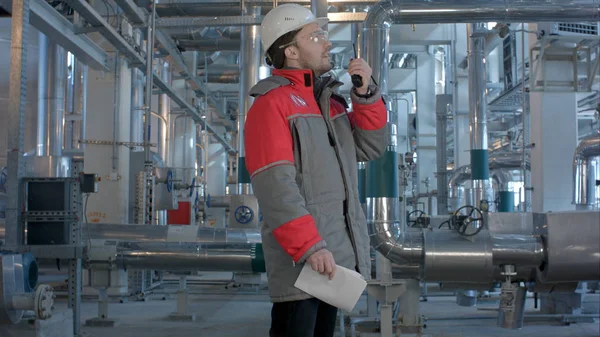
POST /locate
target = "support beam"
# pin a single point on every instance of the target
(47, 20)
(133, 12)
(16, 119)
(109, 33)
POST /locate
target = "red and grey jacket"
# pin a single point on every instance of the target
(302, 149)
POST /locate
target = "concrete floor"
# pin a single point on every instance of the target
(230, 313)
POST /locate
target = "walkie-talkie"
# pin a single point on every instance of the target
(356, 79)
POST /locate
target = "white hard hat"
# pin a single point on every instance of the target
(284, 19)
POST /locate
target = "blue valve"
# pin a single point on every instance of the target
(243, 214)
(170, 181)
(192, 187)
(3, 178)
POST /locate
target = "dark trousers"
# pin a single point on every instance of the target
(305, 318)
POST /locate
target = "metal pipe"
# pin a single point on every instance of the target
(164, 108)
(116, 124)
(83, 104)
(477, 112)
(42, 128)
(211, 45)
(319, 9)
(389, 236)
(250, 61)
(583, 184)
(57, 83)
(175, 256)
(163, 234)
(220, 69)
(468, 11)
(501, 177)
(498, 162)
(137, 107)
(148, 100)
(519, 250)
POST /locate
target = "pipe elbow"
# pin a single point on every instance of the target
(400, 248)
(379, 16)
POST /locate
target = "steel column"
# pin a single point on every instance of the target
(249, 71)
(16, 118)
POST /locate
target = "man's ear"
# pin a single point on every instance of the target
(291, 53)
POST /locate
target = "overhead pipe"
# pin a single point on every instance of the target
(250, 61)
(210, 45)
(584, 179)
(222, 73)
(472, 11)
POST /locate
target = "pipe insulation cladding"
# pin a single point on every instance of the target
(471, 11)
(556, 248)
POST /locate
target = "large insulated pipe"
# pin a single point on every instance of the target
(480, 173)
(584, 179)
(163, 234)
(501, 177)
(56, 98)
(466, 11)
(497, 162)
(175, 256)
(211, 45)
(137, 108)
(222, 73)
(249, 69)
(42, 128)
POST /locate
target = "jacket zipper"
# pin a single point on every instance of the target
(326, 95)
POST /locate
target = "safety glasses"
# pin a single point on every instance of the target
(316, 37)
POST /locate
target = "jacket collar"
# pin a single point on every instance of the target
(302, 78)
(305, 79)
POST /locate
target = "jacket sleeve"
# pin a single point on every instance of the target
(370, 117)
(270, 162)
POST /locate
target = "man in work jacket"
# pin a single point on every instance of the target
(302, 150)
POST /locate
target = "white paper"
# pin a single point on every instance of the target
(343, 291)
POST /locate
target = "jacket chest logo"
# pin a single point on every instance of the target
(298, 101)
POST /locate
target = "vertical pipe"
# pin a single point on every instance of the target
(42, 127)
(149, 81)
(83, 103)
(57, 82)
(164, 108)
(374, 49)
(249, 76)
(477, 113)
(319, 9)
(137, 108)
(70, 104)
(116, 127)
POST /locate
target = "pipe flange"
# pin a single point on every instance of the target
(44, 301)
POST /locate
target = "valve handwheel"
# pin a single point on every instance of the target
(243, 214)
(468, 220)
(413, 223)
